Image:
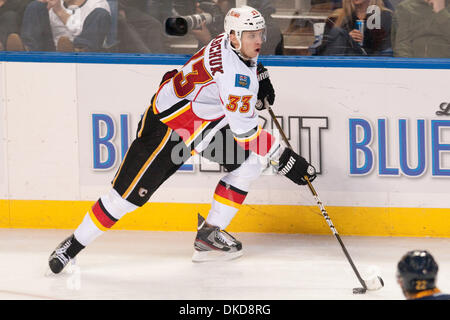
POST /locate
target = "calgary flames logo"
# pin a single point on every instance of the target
(235, 14)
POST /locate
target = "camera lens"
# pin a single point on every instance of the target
(177, 26)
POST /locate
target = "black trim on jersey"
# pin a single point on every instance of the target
(173, 108)
(201, 136)
(247, 134)
(232, 188)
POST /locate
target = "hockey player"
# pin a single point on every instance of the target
(416, 275)
(210, 105)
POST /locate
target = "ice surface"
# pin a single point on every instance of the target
(157, 265)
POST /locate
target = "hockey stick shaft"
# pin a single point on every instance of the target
(319, 203)
(333, 229)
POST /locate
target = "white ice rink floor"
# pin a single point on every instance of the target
(157, 265)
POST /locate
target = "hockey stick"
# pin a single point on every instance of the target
(376, 283)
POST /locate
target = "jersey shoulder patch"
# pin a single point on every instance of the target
(242, 81)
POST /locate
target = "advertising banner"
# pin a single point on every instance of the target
(377, 137)
(387, 139)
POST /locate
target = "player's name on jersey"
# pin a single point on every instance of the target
(215, 55)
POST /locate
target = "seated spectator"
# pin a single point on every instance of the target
(11, 12)
(342, 37)
(387, 3)
(417, 274)
(138, 31)
(66, 25)
(421, 29)
(112, 41)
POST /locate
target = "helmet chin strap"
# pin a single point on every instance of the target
(238, 50)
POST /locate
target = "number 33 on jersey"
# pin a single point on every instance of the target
(215, 88)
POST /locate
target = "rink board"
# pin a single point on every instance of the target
(3, 154)
(410, 222)
(379, 140)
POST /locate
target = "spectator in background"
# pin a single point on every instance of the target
(66, 25)
(274, 43)
(11, 12)
(112, 41)
(421, 29)
(342, 37)
(416, 274)
(138, 31)
(336, 4)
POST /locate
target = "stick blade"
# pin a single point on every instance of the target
(359, 291)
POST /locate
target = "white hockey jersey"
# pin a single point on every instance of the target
(213, 89)
(78, 15)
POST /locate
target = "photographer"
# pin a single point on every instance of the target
(218, 9)
(207, 32)
(203, 31)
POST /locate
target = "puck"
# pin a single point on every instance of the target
(359, 290)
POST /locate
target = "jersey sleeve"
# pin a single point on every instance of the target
(238, 95)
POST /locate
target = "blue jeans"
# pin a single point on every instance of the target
(8, 24)
(36, 31)
(111, 38)
(37, 34)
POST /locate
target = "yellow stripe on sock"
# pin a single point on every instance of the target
(226, 202)
(95, 221)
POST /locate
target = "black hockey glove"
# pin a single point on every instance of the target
(295, 167)
(169, 75)
(265, 87)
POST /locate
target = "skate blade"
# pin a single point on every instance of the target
(204, 256)
(49, 273)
